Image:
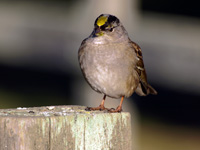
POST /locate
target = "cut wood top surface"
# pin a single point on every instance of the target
(47, 111)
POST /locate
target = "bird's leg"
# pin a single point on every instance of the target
(102, 103)
(119, 108)
(101, 106)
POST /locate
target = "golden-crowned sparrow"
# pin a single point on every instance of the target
(111, 63)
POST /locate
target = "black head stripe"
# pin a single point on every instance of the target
(113, 19)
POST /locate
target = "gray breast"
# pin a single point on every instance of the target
(109, 69)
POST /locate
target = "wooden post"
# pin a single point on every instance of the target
(63, 128)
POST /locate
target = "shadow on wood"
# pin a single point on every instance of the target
(63, 128)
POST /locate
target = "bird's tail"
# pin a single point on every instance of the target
(144, 89)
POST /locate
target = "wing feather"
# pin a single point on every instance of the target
(143, 88)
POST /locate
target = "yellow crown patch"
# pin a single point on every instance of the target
(102, 20)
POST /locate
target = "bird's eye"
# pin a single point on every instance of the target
(111, 29)
(103, 27)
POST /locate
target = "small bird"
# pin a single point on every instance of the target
(111, 63)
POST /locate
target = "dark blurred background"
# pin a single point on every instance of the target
(39, 42)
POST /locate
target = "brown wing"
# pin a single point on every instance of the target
(143, 88)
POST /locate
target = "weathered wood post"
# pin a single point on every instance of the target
(63, 128)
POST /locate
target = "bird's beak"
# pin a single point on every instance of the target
(97, 30)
